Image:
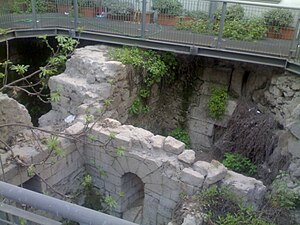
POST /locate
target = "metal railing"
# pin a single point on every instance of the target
(58, 208)
(239, 26)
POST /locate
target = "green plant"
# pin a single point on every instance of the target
(239, 163)
(168, 7)
(87, 182)
(197, 15)
(53, 145)
(154, 67)
(217, 102)
(281, 195)
(243, 216)
(181, 135)
(234, 12)
(118, 8)
(120, 151)
(278, 17)
(245, 30)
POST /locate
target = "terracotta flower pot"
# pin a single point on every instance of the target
(63, 8)
(167, 20)
(88, 12)
(286, 33)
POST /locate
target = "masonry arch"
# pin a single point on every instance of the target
(133, 201)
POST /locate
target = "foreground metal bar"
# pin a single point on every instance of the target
(58, 207)
(28, 216)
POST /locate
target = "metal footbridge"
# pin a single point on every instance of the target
(135, 23)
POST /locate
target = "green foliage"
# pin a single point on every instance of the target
(155, 66)
(197, 26)
(31, 170)
(86, 3)
(22, 221)
(217, 102)
(87, 182)
(89, 118)
(234, 12)
(278, 17)
(243, 216)
(118, 8)
(197, 15)
(20, 69)
(53, 145)
(281, 196)
(110, 202)
(55, 96)
(245, 30)
(107, 102)
(181, 135)
(120, 151)
(239, 163)
(168, 7)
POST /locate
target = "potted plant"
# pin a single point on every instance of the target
(119, 10)
(168, 11)
(87, 8)
(279, 22)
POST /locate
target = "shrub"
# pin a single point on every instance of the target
(281, 196)
(245, 30)
(278, 17)
(168, 7)
(197, 26)
(116, 7)
(197, 15)
(234, 12)
(217, 102)
(181, 135)
(239, 163)
(242, 216)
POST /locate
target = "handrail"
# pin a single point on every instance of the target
(257, 4)
(58, 207)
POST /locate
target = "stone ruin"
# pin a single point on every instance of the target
(154, 169)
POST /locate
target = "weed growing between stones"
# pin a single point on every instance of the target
(153, 66)
(181, 135)
(219, 206)
(239, 163)
(217, 102)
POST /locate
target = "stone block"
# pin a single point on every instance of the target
(217, 75)
(294, 147)
(187, 156)
(133, 164)
(75, 128)
(201, 127)
(157, 142)
(213, 172)
(294, 128)
(247, 188)
(173, 146)
(200, 141)
(192, 177)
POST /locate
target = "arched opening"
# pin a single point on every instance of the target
(133, 200)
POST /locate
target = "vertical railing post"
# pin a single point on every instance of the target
(34, 16)
(222, 22)
(75, 2)
(294, 47)
(143, 23)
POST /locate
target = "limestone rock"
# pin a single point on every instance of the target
(192, 177)
(187, 156)
(75, 128)
(294, 128)
(213, 172)
(157, 141)
(294, 147)
(173, 146)
(12, 112)
(247, 188)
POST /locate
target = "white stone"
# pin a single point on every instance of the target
(75, 128)
(192, 177)
(247, 188)
(187, 156)
(213, 172)
(174, 146)
(157, 142)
